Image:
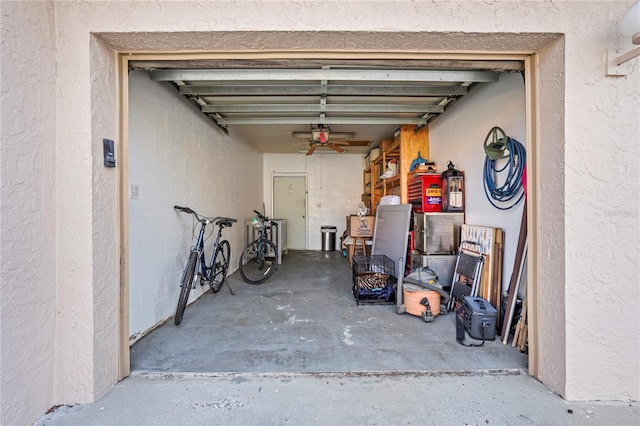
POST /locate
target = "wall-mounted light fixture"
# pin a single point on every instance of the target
(629, 30)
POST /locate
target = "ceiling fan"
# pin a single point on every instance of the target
(321, 136)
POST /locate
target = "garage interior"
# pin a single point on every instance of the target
(305, 318)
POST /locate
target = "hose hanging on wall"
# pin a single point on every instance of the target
(497, 148)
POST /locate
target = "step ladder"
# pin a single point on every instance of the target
(467, 273)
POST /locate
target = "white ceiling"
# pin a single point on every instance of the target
(267, 101)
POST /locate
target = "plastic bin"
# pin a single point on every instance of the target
(328, 234)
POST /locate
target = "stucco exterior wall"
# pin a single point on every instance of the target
(595, 242)
(76, 302)
(105, 250)
(27, 209)
(602, 226)
(549, 221)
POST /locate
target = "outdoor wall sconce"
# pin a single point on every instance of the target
(629, 30)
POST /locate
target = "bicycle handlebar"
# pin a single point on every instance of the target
(265, 219)
(261, 216)
(228, 221)
(184, 209)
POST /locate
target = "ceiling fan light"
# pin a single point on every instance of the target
(334, 135)
(321, 150)
(319, 135)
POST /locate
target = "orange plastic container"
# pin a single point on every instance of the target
(413, 294)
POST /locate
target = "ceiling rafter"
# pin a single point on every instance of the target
(268, 74)
(253, 89)
(322, 107)
(322, 120)
(303, 94)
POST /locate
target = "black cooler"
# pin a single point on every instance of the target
(478, 318)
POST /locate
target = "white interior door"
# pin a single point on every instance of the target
(290, 202)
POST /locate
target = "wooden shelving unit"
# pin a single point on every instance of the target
(404, 149)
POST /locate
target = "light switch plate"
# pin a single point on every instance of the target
(134, 191)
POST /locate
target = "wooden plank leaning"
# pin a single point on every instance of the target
(515, 276)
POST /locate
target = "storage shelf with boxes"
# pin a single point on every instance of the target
(396, 154)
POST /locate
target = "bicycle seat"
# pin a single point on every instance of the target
(225, 222)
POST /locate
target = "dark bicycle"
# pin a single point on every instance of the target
(259, 259)
(213, 274)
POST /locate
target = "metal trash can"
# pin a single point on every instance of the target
(328, 237)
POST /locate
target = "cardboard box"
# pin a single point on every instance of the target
(357, 227)
(374, 154)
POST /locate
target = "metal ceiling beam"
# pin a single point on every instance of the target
(325, 120)
(283, 90)
(291, 63)
(243, 108)
(323, 74)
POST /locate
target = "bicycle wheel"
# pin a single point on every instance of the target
(258, 261)
(220, 266)
(185, 283)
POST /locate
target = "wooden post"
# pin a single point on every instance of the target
(513, 283)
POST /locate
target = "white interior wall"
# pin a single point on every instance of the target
(178, 157)
(334, 185)
(589, 126)
(459, 135)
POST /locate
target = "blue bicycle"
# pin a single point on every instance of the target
(259, 259)
(213, 274)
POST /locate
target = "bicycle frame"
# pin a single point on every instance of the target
(199, 247)
(213, 274)
(262, 237)
(259, 259)
(266, 234)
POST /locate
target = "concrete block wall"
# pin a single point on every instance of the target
(178, 157)
(334, 184)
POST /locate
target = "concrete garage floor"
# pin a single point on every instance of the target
(305, 319)
(297, 350)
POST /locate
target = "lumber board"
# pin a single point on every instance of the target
(513, 283)
(520, 327)
(496, 295)
(490, 239)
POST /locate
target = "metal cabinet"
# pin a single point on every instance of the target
(437, 233)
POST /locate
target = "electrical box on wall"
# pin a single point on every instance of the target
(109, 153)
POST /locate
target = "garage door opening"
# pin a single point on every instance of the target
(306, 279)
(127, 180)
